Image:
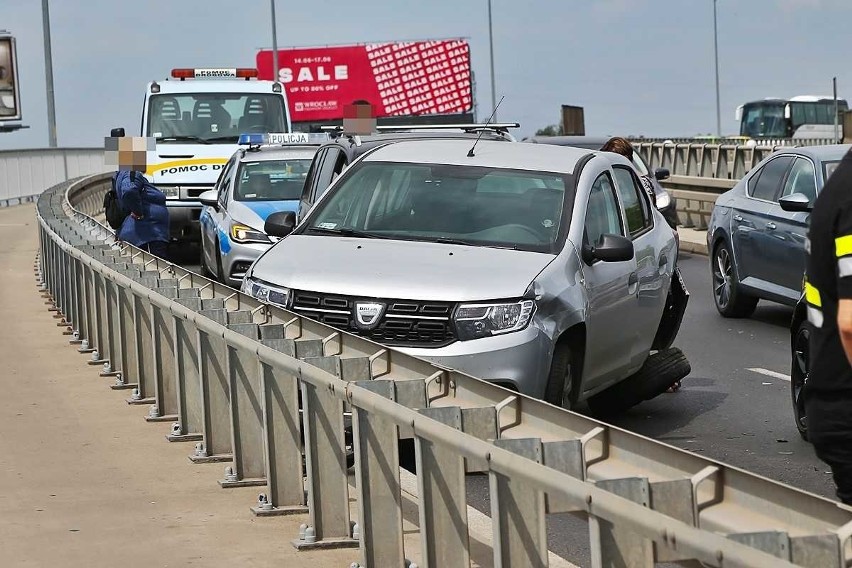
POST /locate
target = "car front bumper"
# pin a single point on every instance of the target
(238, 259)
(519, 360)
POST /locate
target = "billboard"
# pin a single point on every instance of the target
(10, 100)
(397, 78)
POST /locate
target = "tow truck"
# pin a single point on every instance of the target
(196, 118)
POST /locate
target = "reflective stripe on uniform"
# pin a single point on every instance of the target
(843, 246)
(812, 295)
(815, 316)
(844, 267)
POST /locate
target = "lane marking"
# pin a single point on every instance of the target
(768, 373)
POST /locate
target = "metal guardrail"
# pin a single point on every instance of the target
(776, 142)
(230, 372)
(25, 173)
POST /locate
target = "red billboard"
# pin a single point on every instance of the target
(397, 78)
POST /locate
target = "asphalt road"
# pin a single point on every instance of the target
(734, 407)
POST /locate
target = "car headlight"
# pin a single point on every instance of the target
(663, 199)
(484, 320)
(244, 234)
(265, 292)
(170, 191)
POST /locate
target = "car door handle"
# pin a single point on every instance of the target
(632, 283)
(771, 226)
(738, 218)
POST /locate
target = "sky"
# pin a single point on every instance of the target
(637, 67)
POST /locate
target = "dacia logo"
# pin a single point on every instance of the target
(368, 314)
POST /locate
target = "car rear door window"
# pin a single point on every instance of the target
(768, 182)
(602, 214)
(636, 208)
(802, 179)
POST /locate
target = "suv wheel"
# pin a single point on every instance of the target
(799, 377)
(560, 389)
(730, 300)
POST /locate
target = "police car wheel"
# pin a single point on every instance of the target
(729, 298)
(219, 275)
(202, 260)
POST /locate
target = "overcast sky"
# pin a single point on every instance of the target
(636, 66)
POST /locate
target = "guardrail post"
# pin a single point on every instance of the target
(162, 348)
(325, 464)
(215, 424)
(137, 348)
(245, 387)
(187, 381)
(377, 482)
(282, 439)
(87, 318)
(517, 512)
(444, 535)
(612, 546)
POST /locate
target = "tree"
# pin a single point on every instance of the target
(552, 130)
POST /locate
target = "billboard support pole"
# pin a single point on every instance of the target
(48, 76)
(274, 44)
(491, 49)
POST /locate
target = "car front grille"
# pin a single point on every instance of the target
(405, 323)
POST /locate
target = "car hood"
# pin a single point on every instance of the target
(379, 268)
(254, 213)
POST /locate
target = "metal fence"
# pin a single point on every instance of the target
(777, 142)
(25, 173)
(269, 391)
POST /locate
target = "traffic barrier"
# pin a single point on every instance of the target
(646, 502)
(25, 173)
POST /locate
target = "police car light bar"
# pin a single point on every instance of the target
(282, 139)
(240, 72)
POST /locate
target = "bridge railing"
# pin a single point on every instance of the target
(25, 173)
(230, 371)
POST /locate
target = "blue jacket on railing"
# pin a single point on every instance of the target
(138, 195)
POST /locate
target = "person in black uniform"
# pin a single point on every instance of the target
(828, 292)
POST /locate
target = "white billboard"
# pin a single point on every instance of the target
(10, 98)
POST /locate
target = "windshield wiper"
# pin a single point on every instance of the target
(184, 139)
(346, 232)
(452, 241)
(221, 138)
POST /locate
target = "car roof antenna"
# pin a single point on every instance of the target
(470, 153)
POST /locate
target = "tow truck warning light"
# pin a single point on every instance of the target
(240, 73)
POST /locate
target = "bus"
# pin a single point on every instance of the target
(800, 117)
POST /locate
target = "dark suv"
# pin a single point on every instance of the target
(332, 158)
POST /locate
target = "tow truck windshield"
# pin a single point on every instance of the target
(213, 118)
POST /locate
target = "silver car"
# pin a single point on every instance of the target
(257, 182)
(757, 248)
(542, 268)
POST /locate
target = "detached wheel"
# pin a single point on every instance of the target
(560, 390)
(799, 377)
(658, 373)
(729, 298)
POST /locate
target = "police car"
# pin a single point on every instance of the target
(264, 177)
(196, 118)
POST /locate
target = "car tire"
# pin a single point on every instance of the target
(659, 372)
(219, 274)
(561, 390)
(202, 260)
(799, 376)
(730, 300)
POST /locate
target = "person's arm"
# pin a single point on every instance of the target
(130, 193)
(844, 326)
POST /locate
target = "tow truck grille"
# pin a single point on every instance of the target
(405, 323)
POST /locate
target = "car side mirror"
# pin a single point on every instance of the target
(210, 198)
(662, 173)
(280, 224)
(609, 248)
(796, 203)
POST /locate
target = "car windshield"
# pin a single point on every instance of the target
(469, 205)
(828, 168)
(214, 118)
(271, 180)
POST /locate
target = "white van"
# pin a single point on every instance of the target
(196, 118)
